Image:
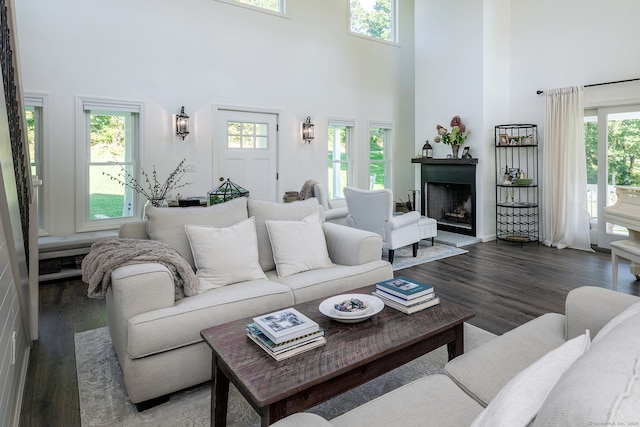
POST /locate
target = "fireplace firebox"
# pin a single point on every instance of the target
(449, 193)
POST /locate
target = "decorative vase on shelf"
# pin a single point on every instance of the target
(454, 151)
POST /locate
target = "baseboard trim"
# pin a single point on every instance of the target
(17, 405)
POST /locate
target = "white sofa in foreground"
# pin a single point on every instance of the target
(547, 372)
(157, 338)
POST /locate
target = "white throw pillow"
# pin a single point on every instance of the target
(520, 399)
(628, 313)
(225, 255)
(298, 245)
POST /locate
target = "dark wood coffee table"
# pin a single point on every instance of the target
(354, 353)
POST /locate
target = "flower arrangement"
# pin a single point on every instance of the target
(156, 192)
(458, 134)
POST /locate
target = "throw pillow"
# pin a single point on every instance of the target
(628, 313)
(519, 400)
(225, 255)
(298, 245)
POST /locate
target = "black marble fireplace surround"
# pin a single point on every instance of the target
(448, 193)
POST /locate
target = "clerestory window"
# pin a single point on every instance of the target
(275, 6)
(374, 18)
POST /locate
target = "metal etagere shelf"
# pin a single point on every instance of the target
(517, 191)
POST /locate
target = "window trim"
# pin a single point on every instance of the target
(395, 34)
(84, 104)
(351, 138)
(387, 151)
(282, 13)
(41, 100)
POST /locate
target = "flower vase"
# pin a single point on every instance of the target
(159, 203)
(454, 151)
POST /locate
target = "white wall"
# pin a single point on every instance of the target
(205, 53)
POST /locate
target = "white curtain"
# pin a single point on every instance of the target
(565, 219)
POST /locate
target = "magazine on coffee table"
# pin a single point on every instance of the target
(285, 325)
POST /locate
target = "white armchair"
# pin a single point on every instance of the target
(372, 210)
(312, 188)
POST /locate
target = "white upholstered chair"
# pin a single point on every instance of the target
(336, 215)
(372, 210)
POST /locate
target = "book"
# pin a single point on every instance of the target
(292, 351)
(404, 287)
(410, 309)
(285, 325)
(253, 329)
(403, 301)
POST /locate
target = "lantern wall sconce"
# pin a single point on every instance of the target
(182, 124)
(307, 130)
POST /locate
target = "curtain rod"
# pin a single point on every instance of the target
(600, 84)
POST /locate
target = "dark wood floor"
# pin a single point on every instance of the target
(504, 284)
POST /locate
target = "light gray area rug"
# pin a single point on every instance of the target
(104, 402)
(403, 257)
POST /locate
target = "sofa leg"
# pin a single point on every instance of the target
(391, 255)
(432, 241)
(415, 249)
(148, 404)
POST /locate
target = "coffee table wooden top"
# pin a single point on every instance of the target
(350, 346)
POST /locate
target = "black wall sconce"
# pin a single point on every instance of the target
(182, 124)
(307, 130)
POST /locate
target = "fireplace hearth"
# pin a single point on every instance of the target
(449, 193)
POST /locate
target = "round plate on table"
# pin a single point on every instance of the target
(374, 304)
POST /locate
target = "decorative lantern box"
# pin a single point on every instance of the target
(225, 192)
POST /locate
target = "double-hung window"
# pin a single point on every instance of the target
(108, 145)
(379, 156)
(339, 155)
(374, 18)
(34, 117)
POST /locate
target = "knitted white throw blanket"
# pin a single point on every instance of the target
(107, 255)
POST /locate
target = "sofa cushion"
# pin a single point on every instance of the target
(167, 224)
(432, 401)
(620, 318)
(180, 325)
(263, 211)
(603, 386)
(298, 245)
(519, 401)
(225, 255)
(337, 279)
(505, 356)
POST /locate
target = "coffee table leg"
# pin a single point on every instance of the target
(456, 348)
(219, 396)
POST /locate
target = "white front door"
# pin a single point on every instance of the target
(247, 151)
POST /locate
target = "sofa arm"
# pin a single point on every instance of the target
(336, 213)
(135, 289)
(590, 307)
(351, 246)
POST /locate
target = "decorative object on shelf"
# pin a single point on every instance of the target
(427, 150)
(156, 193)
(225, 192)
(307, 130)
(456, 137)
(466, 154)
(182, 124)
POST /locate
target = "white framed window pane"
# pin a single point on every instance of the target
(338, 175)
(233, 141)
(247, 135)
(377, 159)
(373, 18)
(262, 142)
(272, 5)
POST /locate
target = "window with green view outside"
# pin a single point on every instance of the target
(378, 159)
(373, 18)
(339, 146)
(112, 144)
(34, 120)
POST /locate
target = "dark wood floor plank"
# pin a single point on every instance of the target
(505, 285)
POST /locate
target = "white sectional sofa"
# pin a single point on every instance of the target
(547, 372)
(157, 338)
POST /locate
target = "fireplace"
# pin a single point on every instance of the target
(449, 193)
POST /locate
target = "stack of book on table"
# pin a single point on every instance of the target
(285, 333)
(406, 295)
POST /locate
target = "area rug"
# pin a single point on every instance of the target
(104, 402)
(404, 258)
